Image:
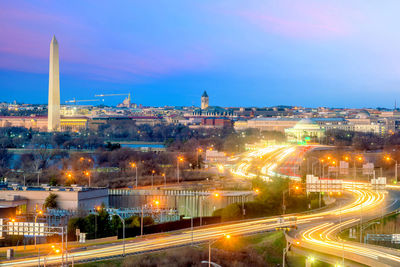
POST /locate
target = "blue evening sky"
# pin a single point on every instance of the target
(244, 53)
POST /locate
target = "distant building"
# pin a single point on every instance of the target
(204, 100)
(272, 124)
(240, 125)
(40, 123)
(34, 122)
(27, 199)
(213, 156)
(127, 103)
(306, 129)
(214, 111)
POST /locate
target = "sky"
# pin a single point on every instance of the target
(243, 53)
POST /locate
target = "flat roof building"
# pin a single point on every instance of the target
(75, 198)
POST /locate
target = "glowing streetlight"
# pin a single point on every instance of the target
(165, 179)
(134, 165)
(179, 159)
(199, 150)
(221, 168)
(388, 159)
(156, 203)
(226, 236)
(152, 178)
(38, 213)
(311, 259)
(87, 174)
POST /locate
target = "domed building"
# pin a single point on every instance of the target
(305, 130)
(363, 114)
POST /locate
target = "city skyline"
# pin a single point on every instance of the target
(261, 54)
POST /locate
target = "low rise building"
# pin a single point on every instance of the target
(272, 124)
(75, 198)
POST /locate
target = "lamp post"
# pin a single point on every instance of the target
(98, 208)
(365, 227)
(134, 165)
(212, 242)
(285, 251)
(165, 179)
(38, 213)
(157, 203)
(123, 232)
(55, 250)
(152, 178)
(191, 221)
(87, 174)
(388, 158)
(199, 150)
(216, 195)
(356, 158)
(179, 159)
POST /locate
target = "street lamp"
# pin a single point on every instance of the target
(97, 208)
(123, 232)
(54, 250)
(69, 175)
(134, 165)
(179, 159)
(388, 158)
(165, 179)
(310, 259)
(38, 213)
(359, 159)
(227, 236)
(87, 174)
(156, 203)
(285, 251)
(220, 168)
(199, 150)
(152, 178)
(216, 195)
(191, 220)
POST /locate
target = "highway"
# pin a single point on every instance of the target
(362, 197)
(317, 231)
(322, 236)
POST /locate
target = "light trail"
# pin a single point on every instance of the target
(320, 235)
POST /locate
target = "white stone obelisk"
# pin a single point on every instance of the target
(53, 123)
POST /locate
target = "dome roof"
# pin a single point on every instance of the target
(363, 114)
(306, 124)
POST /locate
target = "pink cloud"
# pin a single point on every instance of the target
(25, 37)
(296, 20)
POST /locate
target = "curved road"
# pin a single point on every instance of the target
(316, 230)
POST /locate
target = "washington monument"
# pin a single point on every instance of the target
(53, 120)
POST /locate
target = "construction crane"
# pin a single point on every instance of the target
(128, 94)
(78, 101)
